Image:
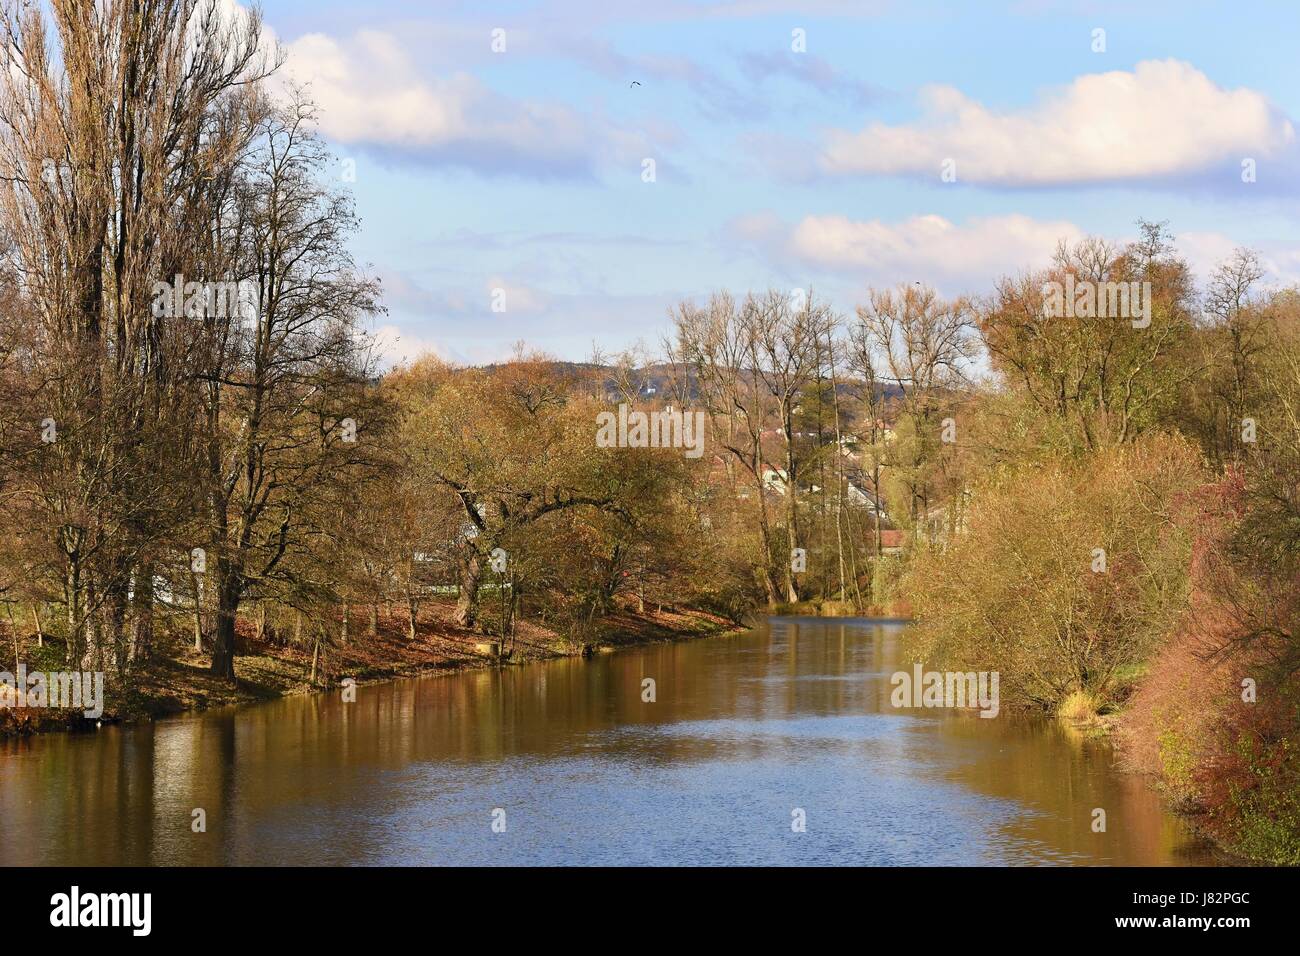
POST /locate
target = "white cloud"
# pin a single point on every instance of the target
(515, 297)
(370, 93)
(1205, 251)
(1165, 118)
(928, 248)
(961, 257)
(406, 294)
(396, 346)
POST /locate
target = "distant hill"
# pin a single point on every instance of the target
(653, 381)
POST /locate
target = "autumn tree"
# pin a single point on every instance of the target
(512, 447)
(1108, 377)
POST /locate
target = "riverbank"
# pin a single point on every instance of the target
(177, 680)
(757, 723)
(895, 610)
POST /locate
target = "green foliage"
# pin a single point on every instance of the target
(1267, 814)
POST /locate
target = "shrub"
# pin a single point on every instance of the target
(1022, 589)
(1230, 759)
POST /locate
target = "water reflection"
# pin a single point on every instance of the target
(744, 729)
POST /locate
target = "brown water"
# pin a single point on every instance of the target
(744, 730)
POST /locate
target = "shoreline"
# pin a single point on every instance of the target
(173, 686)
(177, 680)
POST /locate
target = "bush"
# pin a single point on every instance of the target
(1022, 589)
(1231, 760)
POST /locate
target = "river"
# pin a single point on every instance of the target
(565, 763)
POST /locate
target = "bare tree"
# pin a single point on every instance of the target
(717, 343)
(922, 345)
(1230, 303)
(287, 411)
(107, 147)
(783, 333)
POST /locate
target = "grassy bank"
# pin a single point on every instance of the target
(178, 680)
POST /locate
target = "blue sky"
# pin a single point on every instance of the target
(522, 170)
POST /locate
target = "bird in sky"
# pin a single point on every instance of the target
(635, 83)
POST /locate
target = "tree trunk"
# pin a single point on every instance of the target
(792, 502)
(229, 591)
(765, 545)
(875, 490)
(512, 609)
(115, 626)
(467, 601)
(142, 614)
(839, 464)
(72, 588)
(36, 620)
(343, 632)
(792, 523)
(93, 656)
(374, 620)
(315, 657)
(412, 610)
(13, 628)
(198, 610)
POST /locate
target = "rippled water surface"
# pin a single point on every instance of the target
(744, 729)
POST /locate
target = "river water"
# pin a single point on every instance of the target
(565, 763)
